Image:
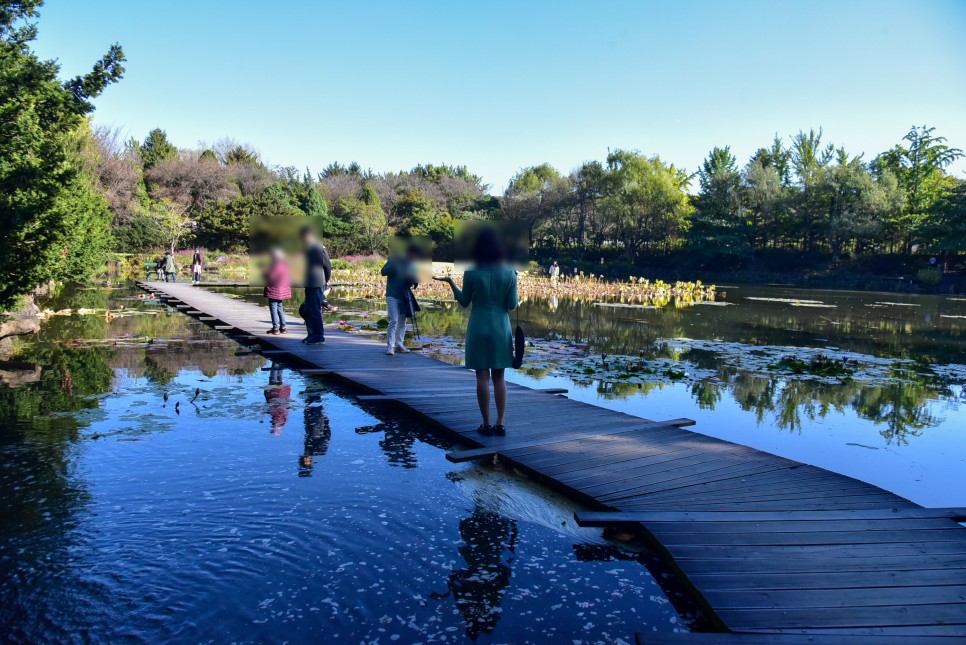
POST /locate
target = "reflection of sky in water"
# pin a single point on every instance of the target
(272, 508)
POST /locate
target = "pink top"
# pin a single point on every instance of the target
(278, 281)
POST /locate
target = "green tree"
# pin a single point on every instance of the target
(533, 195)
(919, 168)
(370, 226)
(156, 148)
(855, 203)
(54, 225)
(719, 224)
(646, 199)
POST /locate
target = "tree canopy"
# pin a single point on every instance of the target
(55, 225)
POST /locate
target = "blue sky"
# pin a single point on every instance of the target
(502, 85)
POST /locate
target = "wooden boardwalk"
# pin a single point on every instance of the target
(768, 545)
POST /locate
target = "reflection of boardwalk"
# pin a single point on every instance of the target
(770, 545)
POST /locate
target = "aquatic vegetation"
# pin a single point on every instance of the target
(820, 365)
(366, 282)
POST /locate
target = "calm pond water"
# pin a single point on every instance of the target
(160, 483)
(880, 396)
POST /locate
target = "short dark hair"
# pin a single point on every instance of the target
(306, 230)
(488, 248)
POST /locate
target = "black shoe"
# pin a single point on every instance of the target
(499, 430)
(485, 430)
(321, 341)
(272, 331)
(283, 330)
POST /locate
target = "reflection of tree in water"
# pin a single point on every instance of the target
(489, 540)
(900, 406)
(317, 432)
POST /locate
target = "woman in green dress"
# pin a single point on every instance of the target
(491, 287)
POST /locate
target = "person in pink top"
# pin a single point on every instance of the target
(278, 289)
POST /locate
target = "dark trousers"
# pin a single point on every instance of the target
(313, 313)
(169, 276)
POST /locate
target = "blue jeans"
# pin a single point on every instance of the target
(313, 314)
(278, 314)
(396, 332)
(170, 277)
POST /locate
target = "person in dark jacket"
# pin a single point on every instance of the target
(318, 271)
(400, 275)
(278, 289)
(197, 263)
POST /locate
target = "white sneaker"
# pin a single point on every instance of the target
(401, 349)
(390, 351)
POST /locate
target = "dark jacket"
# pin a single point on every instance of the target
(318, 267)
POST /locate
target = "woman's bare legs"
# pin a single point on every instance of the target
(483, 394)
(499, 393)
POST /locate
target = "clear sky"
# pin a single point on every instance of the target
(502, 85)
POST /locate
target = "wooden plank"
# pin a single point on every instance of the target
(787, 538)
(479, 453)
(818, 618)
(590, 518)
(829, 598)
(824, 563)
(714, 581)
(224, 327)
(676, 638)
(444, 393)
(670, 529)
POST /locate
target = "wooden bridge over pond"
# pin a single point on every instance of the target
(774, 550)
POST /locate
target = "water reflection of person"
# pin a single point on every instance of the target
(317, 433)
(489, 540)
(277, 396)
(396, 443)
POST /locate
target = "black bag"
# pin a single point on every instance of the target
(519, 343)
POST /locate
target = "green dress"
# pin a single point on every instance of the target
(489, 339)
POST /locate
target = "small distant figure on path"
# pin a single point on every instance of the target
(197, 263)
(554, 272)
(318, 272)
(278, 289)
(491, 287)
(170, 268)
(277, 397)
(159, 267)
(400, 272)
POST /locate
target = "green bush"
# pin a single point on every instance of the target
(929, 277)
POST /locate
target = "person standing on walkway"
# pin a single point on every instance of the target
(170, 268)
(400, 274)
(318, 271)
(196, 265)
(491, 287)
(278, 289)
(554, 272)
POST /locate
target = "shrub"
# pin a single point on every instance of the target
(929, 277)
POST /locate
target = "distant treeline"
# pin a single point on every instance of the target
(805, 196)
